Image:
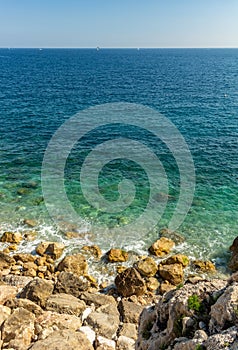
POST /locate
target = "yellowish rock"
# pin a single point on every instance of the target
(172, 273)
(205, 266)
(161, 247)
(11, 237)
(152, 284)
(94, 250)
(30, 222)
(176, 259)
(147, 267)
(117, 255)
(165, 287)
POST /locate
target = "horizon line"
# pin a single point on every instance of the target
(119, 47)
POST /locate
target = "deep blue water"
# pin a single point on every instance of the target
(197, 89)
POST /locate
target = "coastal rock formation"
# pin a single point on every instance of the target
(69, 283)
(54, 249)
(161, 247)
(11, 237)
(93, 250)
(65, 304)
(172, 273)
(147, 267)
(204, 266)
(201, 314)
(38, 290)
(233, 264)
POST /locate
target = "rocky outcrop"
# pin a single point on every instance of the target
(11, 237)
(233, 264)
(188, 317)
(38, 291)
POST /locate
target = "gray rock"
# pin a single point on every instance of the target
(65, 304)
(70, 283)
(97, 299)
(223, 340)
(130, 312)
(104, 324)
(38, 291)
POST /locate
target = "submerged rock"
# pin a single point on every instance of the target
(174, 236)
(161, 247)
(93, 250)
(30, 222)
(130, 282)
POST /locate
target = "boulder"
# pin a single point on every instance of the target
(11, 237)
(104, 324)
(117, 255)
(224, 340)
(18, 329)
(152, 284)
(172, 273)
(90, 334)
(130, 312)
(69, 283)
(97, 299)
(174, 236)
(204, 266)
(54, 249)
(74, 263)
(65, 304)
(63, 339)
(24, 257)
(166, 286)
(130, 282)
(147, 267)
(38, 291)
(30, 222)
(161, 247)
(176, 259)
(5, 312)
(25, 304)
(103, 343)
(125, 343)
(6, 293)
(17, 281)
(129, 330)
(93, 250)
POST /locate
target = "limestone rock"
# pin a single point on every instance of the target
(204, 266)
(152, 284)
(65, 304)
(54, 249)
(130, 312)
(225, 310)
(6, 293)
(38, 291)
(97, 299)
(6, 261)
(30, 222)
(147, 267)
(17, 281)
(105, 344)
(166, 286)
(130, 282)
(74, 263)
(125, 343)
(105, 324)
(18, 329)
(225, 340)
(176, 259)
(93, 250)
(172, 273)
(69, 283)
(11, 237)
(90, 334)
(117, 255)
(129, 330)
(5, 312)
(25, 304)
(63, 339)
(24, 257)
(161, 247)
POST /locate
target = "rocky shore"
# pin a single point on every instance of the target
(162, 301)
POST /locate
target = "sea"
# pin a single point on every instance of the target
(195, 90)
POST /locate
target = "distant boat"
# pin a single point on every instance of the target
(98, 48)
(40, 49)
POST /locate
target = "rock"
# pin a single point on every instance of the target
(172, 273)
(105, 344)
(117, 255)
(23, 191)
(225, 310)
(130, 282)
(18, 329)
(104, 324)
(24, 257)
(17, 281)
(130, 312)
(6, 261)
(147, 267)
(69, 283)
(30, 222)
(54, 249)
(152, 284)
(74, 263)
(233, 263)
(6, 293)
(63, 339)
(125, 343)
(166, 286)
(5, 312)
(176, 259)
(204, 266)
(174, 236)
(234, 246)
(50, 321)
(129, 330)
(11, 237)
(225, 340)
(30, 235)
(90, 334)
(161, 247)
(65, 304)
(38, 291)
(93, 250)
(97, 299)
(25, 304)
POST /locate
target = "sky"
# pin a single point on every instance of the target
(118, 23)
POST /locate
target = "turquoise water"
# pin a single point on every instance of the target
(197, 89)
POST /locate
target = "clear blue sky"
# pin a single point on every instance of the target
(119, 23)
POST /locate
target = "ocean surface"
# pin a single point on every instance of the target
(196, 89)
